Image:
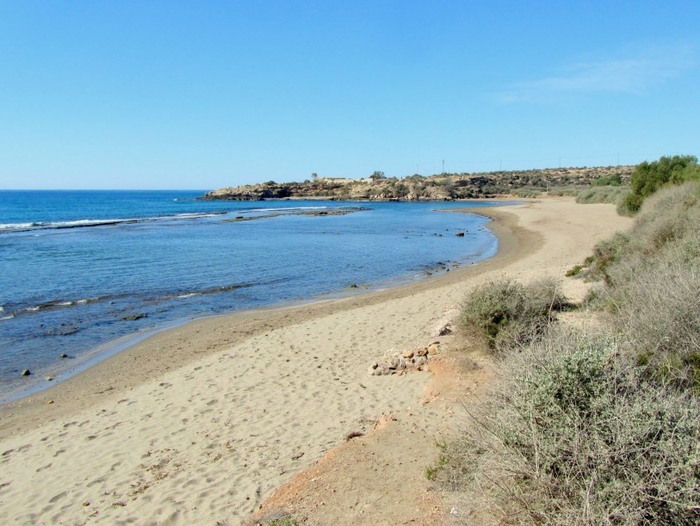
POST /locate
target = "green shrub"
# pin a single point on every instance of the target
(574, 271)
(509, 314)
(647, 178)
(613, 180)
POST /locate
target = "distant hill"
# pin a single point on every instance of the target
(443, 187)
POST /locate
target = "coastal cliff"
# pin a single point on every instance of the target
(442, 187)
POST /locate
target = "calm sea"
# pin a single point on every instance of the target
(81, 269)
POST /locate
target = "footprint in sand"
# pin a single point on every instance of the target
(57, 497)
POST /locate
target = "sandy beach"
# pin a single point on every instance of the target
(224, 417)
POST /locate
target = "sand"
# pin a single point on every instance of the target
(224, 417)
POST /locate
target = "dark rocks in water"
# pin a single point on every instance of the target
(64, 355)
(134, 317)
(459, 234)
(25, 372)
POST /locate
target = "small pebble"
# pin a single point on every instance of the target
(26, 372)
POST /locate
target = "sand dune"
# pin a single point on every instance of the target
(200, 424)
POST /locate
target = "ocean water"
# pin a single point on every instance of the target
(82, 269)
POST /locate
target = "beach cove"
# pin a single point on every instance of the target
(84, 273)
(202, 423)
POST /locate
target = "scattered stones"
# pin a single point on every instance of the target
(420, 360)
(409, 359)
(459, 234)
(25, 372)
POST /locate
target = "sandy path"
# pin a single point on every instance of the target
(199, 424)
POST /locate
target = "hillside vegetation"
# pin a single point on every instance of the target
(599, 425)
(442, 187)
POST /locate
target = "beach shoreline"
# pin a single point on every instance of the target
(129, 361)
(202, 422)
(92, 317)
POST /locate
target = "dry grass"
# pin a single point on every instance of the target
(602, 194)
(597, 426)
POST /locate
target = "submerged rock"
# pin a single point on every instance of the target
(134, 317)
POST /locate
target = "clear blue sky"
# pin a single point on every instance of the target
(176, 94)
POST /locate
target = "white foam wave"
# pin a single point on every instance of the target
(84, 223)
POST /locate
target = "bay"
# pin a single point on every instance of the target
(80, 269)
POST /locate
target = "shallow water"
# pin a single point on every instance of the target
(80, 269)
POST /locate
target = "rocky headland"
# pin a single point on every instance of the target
(442, 187)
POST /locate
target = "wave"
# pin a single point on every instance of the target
(87, 223)
(141, 298)
(54, 304)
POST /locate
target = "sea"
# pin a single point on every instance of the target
(84, 274)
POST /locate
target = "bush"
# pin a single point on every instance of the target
(613, 180)
(577, 436)
(652, 275)
(647, 178)
(601, 194)
(509, 314)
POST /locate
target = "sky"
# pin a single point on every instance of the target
(200, 95)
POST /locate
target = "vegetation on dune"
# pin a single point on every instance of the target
(594, 426)
(509, 314)
(647, 178)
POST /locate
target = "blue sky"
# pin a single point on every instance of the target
(200, 95)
